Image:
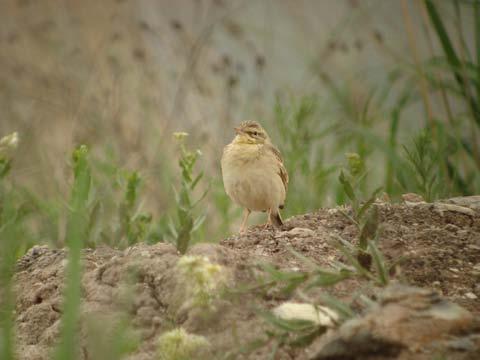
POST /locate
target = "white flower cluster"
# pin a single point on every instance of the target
(180, 135)
(8, 143)
(202, 279)
(177, 344)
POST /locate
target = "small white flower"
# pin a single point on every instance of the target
(202, 279)
(180, 135)
(177, 344)
(9, 142)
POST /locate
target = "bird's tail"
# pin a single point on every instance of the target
(275, 218)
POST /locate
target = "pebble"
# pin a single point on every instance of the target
(463, 344)
(157, 320)
(462, 233)
(303, 232)
(296, 232)
(453, 270)
(471, 295)
(412, 198)
(451, 227)
(259, 251)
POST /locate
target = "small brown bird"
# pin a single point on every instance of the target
(253, 173)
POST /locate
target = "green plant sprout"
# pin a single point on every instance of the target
(135, 225)
(186, 222)
(423, 162)
(77, 229)
(12, 215)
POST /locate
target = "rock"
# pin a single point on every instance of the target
(296, 232)
(471, 295)
(406, 319)
(452, 228)
(473, 202)
(462, 344)
(319, 315)
(301, 232)
(413, 198)
(442, 207)
(383, 198)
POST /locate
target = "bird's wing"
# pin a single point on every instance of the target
(282, 172)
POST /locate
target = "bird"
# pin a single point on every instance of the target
(254, 175)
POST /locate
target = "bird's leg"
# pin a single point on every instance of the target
(246, 214)
(269, 220)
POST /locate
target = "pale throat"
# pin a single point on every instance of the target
(246, 140)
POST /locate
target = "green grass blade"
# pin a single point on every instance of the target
(9, 245)
(76, 231)
(347, 187)
(286, 325)
(452, 57)
(379, 263)
(369, 202)
(341, 308)
(476, 10)
(444, 38)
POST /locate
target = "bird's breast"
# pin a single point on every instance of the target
(251, 178)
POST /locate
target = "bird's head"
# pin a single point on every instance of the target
(250, 132)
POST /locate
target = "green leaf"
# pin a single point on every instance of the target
(348, 217)
(379, 263)
(369, 202)
(204, 194)
(282, 276)
(343, 310)
(198, 222)
(476, 16)
(304, 340)
(324, 278)
(347, 187)
(67, 347)
(309, 262)
(349, 252)
(274, 351)
(295, 325)
(452, 57)
(172, 227)
(369, 229)
(196, 180)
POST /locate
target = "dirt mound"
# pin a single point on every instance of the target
(439, 245)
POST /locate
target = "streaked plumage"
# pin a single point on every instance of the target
(253, 172)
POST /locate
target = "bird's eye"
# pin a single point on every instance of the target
(255, 133)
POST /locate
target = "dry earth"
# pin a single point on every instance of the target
(437, 318)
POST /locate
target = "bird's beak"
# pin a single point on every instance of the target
(237, 130)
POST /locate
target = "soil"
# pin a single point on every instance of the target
(437, 246)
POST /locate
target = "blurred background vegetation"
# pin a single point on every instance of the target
(114, 114)
(392, 84)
